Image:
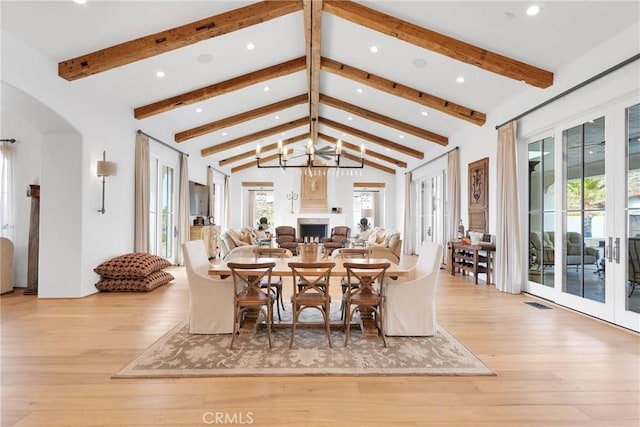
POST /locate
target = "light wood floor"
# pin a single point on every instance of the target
(554, 368)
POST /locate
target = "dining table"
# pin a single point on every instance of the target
(282, 268)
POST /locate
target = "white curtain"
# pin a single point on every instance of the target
(183, 208)
(508, 271)
(226, 207)
(453, 194)
(141, 239)
(211, 187)
(7, 192)
(409, 235)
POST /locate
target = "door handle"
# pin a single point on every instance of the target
(616, 251)
(607, 250)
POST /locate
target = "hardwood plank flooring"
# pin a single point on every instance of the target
(554, 368)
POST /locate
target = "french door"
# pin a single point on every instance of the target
(431, 209)
(584, 214)
(162, 208)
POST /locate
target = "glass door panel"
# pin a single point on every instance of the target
(584, 220)
(542, 212)
(632, 267)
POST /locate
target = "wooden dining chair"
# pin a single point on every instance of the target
(249, 294)
(350, 253)
(313, 294)
(369, 295)
(276, 282)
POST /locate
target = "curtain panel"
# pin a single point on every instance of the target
(141, 236)
(508, 270)
(453, 194)
(183, 208)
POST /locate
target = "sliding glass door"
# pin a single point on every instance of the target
(586, 254)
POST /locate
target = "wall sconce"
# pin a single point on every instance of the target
(105, 169)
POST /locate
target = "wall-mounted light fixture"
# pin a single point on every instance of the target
(105, 169)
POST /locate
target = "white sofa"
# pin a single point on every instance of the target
(211, 302)
(239, 243)
(383, 243)
(410, 305)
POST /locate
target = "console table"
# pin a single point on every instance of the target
(211, 236)
(476, 259)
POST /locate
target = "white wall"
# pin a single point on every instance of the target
(27, 151)
(339, 194)
(70, 187)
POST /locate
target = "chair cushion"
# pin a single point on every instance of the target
(145, 284)
(137, 265)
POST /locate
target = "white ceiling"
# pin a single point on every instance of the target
(562, 32)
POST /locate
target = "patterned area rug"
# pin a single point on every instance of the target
(180, 354)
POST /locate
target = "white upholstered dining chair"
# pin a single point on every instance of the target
(410, 307)
(211, 302)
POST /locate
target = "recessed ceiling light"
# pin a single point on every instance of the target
(359, 90)
(400, 136)
(425, 113)
(277, 117)
(374, 49)
(460, 79)
(80, 1)
(267, 89)
(205, 58)
(533, 10)
(282, 133)
(349, 118)
(160, 74)
(198, 110)
(388, 149)
(250, 46)
(224, 134)
(344, 134)
(419, 63)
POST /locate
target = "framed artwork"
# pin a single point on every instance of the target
(479, 195)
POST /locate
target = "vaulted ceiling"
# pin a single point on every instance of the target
(381, 73)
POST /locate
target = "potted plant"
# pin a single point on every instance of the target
(263, 223)
(364, 224)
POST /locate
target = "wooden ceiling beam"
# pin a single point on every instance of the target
(254, 163)
(370, 163)
(253, 137)
(370, 153)
(174, 38)
(312, 10)
(221, 88)
(239, 118)
(403, 91)
(439, 43)
(384, 120)
(373, 138)
(265, 149)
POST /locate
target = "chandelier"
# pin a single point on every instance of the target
(311, 153)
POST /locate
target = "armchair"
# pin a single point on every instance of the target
(286, 238)
(211, 302)
(338, 239)
(410, 307)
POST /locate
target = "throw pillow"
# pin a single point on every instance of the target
(135, 265)
(246, 238)
(145, 284)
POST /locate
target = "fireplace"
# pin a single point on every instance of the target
(311, 228)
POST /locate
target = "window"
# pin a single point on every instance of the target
(366, 204)
(6, 191)
(162, 204)
(261, 205)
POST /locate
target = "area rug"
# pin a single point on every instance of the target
(180, 354)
